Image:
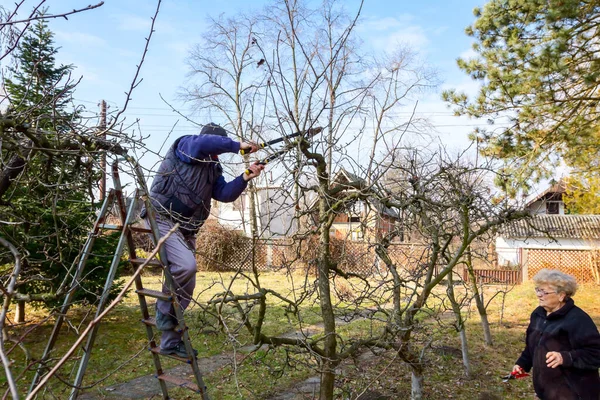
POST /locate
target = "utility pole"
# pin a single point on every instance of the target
(102, 128)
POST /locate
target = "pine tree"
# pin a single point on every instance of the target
(49, 209)
(538, 65)
(39, 91)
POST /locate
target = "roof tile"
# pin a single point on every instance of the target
(557, 226)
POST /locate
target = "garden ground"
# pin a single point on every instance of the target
(120, 361)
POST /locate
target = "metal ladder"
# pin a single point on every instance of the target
(127, 218)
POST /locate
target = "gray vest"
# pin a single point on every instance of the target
(183, 192)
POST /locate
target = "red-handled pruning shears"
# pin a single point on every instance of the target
(308, 132)
(514, 375)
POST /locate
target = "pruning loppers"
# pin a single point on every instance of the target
(514, 375)
(308, 132)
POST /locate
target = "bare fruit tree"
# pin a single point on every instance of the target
(446, 204)
(292, 69)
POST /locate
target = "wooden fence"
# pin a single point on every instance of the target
(495, 276)
(272, 255)
(584, 265)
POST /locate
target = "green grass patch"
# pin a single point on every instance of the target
(120, 352)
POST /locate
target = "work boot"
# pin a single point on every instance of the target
(177, 350)
(165, 322)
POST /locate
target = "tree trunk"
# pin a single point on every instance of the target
(20, 312)
(329, 362)
(383, 255)
(464, 346)
(416, 385)
(15, 166)
(485, 324)
(460, 326)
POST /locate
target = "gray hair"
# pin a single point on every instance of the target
(561, 281)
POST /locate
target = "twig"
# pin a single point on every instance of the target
(135, 82)
(7, 298)
(63, 15)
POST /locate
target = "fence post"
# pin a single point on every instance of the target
(269, 260)
(524, 266)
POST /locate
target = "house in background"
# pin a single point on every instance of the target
(360, 219)
(550, 201)
(570, 243)
(275, 216)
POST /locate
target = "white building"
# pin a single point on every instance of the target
(550, 201)
(548, 232)
(276, 212)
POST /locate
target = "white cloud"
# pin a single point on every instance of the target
(79, 38)
(182, 49)
(87, 73)
(414, 36)
(386, 23)
(467, 54)
(130, 22)
(389, 32)
(464, 85)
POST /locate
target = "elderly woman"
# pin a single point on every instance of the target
(562, 344)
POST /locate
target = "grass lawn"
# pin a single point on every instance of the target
(120, 353)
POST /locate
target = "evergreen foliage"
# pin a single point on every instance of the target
(48, 210)
(40, 92)
(539, 65)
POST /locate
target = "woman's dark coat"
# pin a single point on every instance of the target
(571, 332)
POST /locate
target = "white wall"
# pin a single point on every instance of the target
(276, 210)
(231, 216)
(539, 207)
(275, 213)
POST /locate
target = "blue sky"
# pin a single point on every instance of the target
(105, 45)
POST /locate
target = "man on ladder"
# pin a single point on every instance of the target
(188, 179)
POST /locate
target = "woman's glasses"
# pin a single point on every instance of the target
(542, 292)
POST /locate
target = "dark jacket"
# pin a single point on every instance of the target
(190, 176)
(571, 332)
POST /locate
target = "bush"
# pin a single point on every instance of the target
(349, 255)
(220, 249)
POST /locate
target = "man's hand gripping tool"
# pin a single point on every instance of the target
(310, 132)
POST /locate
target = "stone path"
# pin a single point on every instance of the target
(146, 387)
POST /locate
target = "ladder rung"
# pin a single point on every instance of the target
(110, 227)
(140, 261)
(140, 229)
(150, 321)
(156, 350)
(157, 294)
(179, 382)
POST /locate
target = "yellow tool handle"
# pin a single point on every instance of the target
(264, 162)
(261, 145)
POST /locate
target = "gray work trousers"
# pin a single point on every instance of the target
(182, 264)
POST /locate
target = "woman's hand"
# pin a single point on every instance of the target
(553, 359)
(517, 370)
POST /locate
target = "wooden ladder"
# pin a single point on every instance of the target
(128, 216)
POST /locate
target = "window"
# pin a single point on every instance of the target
(552, 207)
